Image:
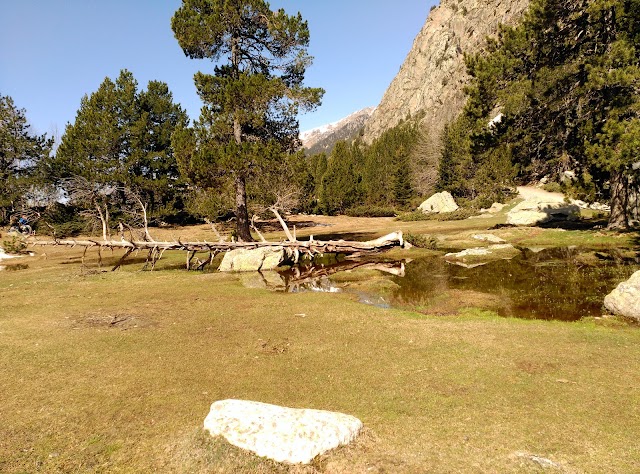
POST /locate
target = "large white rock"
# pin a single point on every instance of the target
(283, 434)
(624, 300)
(438, 203)
(251, 260)
(533, 211)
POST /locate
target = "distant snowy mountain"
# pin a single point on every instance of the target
(324, 138)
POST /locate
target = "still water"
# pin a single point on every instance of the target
(562, 284)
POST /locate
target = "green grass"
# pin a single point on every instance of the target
(115, 372)
(84, 393)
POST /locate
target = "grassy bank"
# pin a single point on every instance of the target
(114, 372)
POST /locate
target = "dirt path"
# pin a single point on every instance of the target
(531, 192)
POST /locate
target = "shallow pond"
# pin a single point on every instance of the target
(562, 284)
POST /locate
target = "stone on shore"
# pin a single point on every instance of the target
(251, 260)
(483, 254)
(624, 300)
(283, 434)
(439, 203)
(534, 211)
(494, 239)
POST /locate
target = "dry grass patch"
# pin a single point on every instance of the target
(437, 394)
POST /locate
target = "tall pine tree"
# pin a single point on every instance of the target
(251, 100)
(21, 152)
(121, 138)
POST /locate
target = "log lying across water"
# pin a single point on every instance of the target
(310, 247)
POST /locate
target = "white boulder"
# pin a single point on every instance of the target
(492, 252)
(534, 211)
(439, 203)
(624, 300)
(283, 434)
(251, 260)
(494, 239)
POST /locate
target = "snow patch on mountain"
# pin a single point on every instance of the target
(324, 137)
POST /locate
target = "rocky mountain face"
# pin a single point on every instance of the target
(433, 75)
(323, 139)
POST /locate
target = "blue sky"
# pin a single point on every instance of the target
(55, 51)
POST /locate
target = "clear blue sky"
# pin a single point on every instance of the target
(55, 51)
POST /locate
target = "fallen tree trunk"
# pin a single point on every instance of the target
(310, 247)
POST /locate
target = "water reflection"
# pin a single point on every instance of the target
(563, 284)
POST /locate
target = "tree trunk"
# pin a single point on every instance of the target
(242, 215)
(618, 219)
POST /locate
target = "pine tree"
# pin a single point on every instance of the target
(341, 183)
(21, 153)
(566, 82)
(248, 121)
(121, 138)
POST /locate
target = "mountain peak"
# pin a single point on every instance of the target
(323, 138)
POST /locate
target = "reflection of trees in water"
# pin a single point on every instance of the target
(551, 284)
(316, 277)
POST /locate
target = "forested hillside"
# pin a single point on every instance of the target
(559, 93)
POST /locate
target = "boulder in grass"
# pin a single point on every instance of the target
(533, 212)
(252, 260)
(494, 209)
(282, 434)
(439, 203)
(624, 300)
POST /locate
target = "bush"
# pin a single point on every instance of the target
(553, 187)
(370, 211)
(17, 244)
(68, 229)
(421, 241)
(61, 220)
(458, 215)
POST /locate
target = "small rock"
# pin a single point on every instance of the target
(489, 238)
(539, 460)
(283, 434)
(468, 252)
(494, 209)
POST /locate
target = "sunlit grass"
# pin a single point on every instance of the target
(115, 372)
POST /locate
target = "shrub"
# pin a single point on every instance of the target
(370, 211)
(421, 241)
(553, 187)
(17, 244)
(458, 215)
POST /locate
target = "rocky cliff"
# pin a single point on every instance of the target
(433, 75)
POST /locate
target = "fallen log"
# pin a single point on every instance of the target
(309, 247)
